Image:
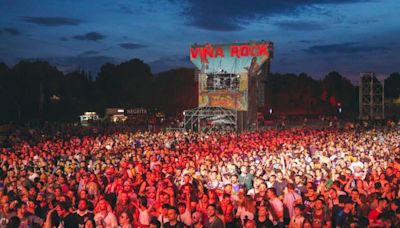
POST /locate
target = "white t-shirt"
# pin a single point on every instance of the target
(252, 192)
(242, 213)
(277, 206)
(270, 184)
(110, 220)
(289, 201)
(144, 217)
(186, 218)
(354, 165)
(33, 176)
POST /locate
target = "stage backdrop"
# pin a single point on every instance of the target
(242, 59)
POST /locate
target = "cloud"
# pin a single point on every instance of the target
(364, 21)
(233, 15)
(91, 36)
(88, 63)
(168, 63)
(310, 41)
(131, 45)
(52, 21)
(125, 9)
(89, 53)
(219, 24)
(12, 31)
(300, 25)
(346, 48)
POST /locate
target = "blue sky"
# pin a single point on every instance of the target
(312, 36)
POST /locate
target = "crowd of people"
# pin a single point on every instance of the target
(275, 178)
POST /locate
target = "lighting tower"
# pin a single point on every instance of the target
(371, 98)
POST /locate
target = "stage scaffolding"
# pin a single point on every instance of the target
(201, 118)
(371, 98)
(231, 80)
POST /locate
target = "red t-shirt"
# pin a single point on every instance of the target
(373, 215)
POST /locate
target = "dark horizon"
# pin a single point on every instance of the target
(93, 76)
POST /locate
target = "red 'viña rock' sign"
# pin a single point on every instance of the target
(245, 50)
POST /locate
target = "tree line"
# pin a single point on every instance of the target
(35, 90)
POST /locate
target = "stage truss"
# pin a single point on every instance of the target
(202, 118)
(371, 98)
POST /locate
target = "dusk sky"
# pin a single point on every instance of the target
(312, 36)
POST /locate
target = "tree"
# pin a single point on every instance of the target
(337, 90)
(392, 86)
(292, 94)
(175, 90)
(126, 85)
(32, 85)
(9, 105)
(76, 96)
(26, 90)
